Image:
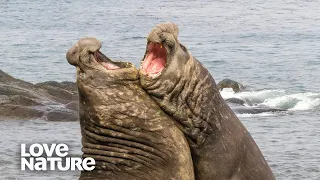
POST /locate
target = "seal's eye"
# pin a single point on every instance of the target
(183, 48)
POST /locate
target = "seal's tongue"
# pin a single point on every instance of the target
(155, 59)
(105, 61)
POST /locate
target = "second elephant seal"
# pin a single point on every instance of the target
(221, 146)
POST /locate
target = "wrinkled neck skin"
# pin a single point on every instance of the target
(182, 92)
(126, 132)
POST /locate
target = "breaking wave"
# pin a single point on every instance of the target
(256, 115)
(276, 99)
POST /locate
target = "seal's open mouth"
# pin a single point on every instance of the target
(155, 59)
(108, 63)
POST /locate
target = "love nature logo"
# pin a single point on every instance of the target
(43, 157)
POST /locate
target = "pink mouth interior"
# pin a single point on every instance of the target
(155, 59)
(105, 61)
(109, 66)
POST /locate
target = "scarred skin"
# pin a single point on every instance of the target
(122, 128)
(221, 146)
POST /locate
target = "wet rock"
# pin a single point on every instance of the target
(10, 111)
(73, 106)
(60, 94)
(9, 80)
(4, 99)
(62, 116)
(23, 101)
(235, 101)
(13, 90)
(54, 101)
(228, 83)
(69, 86)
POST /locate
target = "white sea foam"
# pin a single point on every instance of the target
(276, 99)
(256, 115)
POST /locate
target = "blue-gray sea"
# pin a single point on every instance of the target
(272, 46)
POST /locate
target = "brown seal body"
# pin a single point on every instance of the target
(122, 128)
(221, 146)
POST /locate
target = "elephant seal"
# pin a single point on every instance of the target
(122, 128)
(220, 145)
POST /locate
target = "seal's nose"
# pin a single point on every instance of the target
(83, 47)
(73, 55)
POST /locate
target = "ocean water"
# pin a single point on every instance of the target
(271, 46)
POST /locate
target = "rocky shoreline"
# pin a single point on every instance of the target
(52, 101)
(58, 101)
